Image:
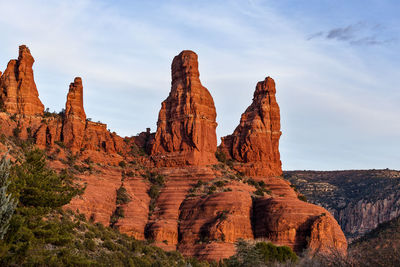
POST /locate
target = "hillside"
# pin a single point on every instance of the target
(381, 246)
(359, 199)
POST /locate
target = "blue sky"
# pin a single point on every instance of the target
(336, 65)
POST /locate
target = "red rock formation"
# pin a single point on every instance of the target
(205, 226)
(75, 117)
(186, 122)
(17, 86)
(79, 134)
(255, 142)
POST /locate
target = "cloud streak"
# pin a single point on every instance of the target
(360, 33)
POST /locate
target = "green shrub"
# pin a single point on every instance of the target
(154, 191)
(219, 183)
(212, 189)
(16, 132)
(118, 213)
(122, 196)
(302, 198)
(259, 254)
(89, 244)
(38, 186)
(122, 164)
(199, 183)
(221, 157)
(272, 253)
(109, 245)
(90, 235)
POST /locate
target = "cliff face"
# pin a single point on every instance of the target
(255, 141)
(359, 200)
(174, 195)
(186, 122)
(18, 90)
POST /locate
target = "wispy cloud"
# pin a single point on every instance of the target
(360, 33)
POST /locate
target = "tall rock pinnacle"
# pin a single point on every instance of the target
(255, 141)
(17, 86)
(74, 105)
(186, 122)
(75, 117)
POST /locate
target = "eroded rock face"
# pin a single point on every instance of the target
(186, 122)
(297, 224)
(75, 116)
(18, 90)
(255, 141)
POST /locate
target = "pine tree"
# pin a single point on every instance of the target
(7, 203)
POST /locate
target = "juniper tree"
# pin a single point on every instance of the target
(7, 203)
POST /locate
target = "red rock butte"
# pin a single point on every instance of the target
(186, 123)
(203, 206)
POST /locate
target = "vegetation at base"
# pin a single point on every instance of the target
(381, 246)
(36, 185)
(39, 191)
(259, 254)
(41, 233)
(7, 202)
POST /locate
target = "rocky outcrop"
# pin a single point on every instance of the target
(294, 223)
(75, 116)
(186, 122)
(255, 141)
(18, 90)
(365, 215)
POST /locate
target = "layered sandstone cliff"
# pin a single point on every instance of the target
(18, 90)
(255, 141)
(186, 122)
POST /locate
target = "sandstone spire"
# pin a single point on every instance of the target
(75, 117)
(255, 141)
(17, 86)
(74, 105)
(186, 122)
